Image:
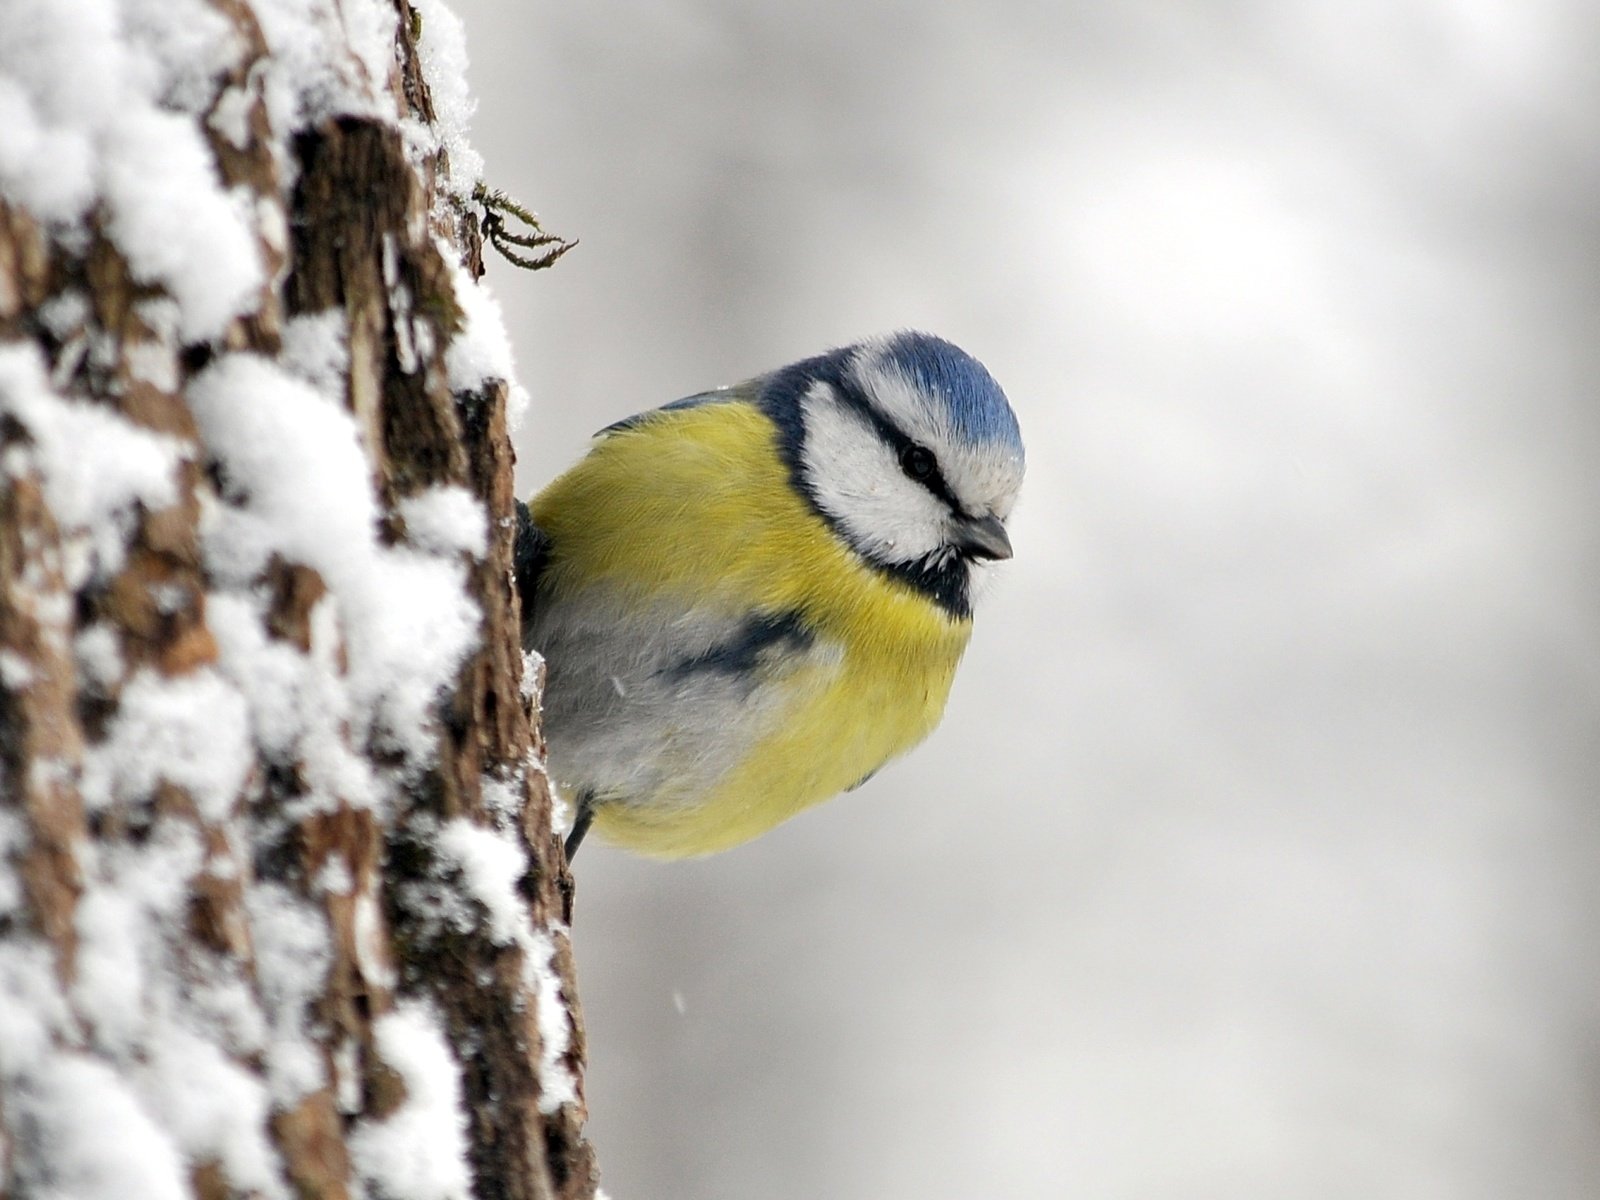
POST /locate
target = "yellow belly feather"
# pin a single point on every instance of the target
(697, 502)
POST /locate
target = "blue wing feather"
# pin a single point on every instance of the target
(715, 396)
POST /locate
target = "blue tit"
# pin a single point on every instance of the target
(750, 600)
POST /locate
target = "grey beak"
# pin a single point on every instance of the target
(982, 537)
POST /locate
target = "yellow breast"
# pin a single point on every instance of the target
(695, 507)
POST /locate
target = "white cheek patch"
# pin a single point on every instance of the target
(856, 479)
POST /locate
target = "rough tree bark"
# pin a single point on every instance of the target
(269, 925)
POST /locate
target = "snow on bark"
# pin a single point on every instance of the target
(280, 904)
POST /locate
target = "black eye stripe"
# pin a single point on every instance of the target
(900, 443)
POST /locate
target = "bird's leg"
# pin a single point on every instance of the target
(580, 824)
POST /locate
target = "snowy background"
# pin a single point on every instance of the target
(1257, 854)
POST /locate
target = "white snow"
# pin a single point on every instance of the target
(103, 1140)
(371, 947)
(49, 170)
(503, 798)
(419, 1151)
(369, 32)
(481, 350)
(16, 672)
(95, 464)
(178, 47)
(446, 520)
(294, 457)
(176, 228)
(442, 50)
(557, 1085)
(335, 877)
(31, 1000)
(532, 664)
(214, 1108)
(156, 360)
(300, 709)
(173, 1026)
(293, 954)
(190, 730)
(347, 1076)
(119, 923)
(301, 488)
(231, 116)
(63, 313)
(94, 98)
(100, 656)
(490, 865)
(311, 74)
(316, 348)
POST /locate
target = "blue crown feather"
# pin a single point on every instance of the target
(978, 408)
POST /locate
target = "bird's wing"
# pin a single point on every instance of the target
(865, 777)
(529, 554)
(716, 396)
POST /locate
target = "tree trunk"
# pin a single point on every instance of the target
(281, 910)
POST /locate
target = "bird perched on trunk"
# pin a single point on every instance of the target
(751, 599)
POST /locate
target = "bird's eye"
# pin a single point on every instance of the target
(917, 462)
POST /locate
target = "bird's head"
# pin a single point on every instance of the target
(908, 448)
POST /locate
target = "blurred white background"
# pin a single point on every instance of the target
(1256, 857)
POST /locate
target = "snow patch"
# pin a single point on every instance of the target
(174, 1028)
(503, 798)
(299, 708)
(418, 1152)
(316, 347)
(371, 946)
(95, 465)
(95, 100)
(490, 864)
(13, 842)
(16, 672)
(119, 923)
(297, 485)
(99, 655)
(92, 1135)
(173, 222)
(293, 956)
(311, 75)
(480, 352)
(446, 520)
(214, 1108)
(31, 999)
(191, 731)
(230, 119)
(557, 1085)
(442, 51)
